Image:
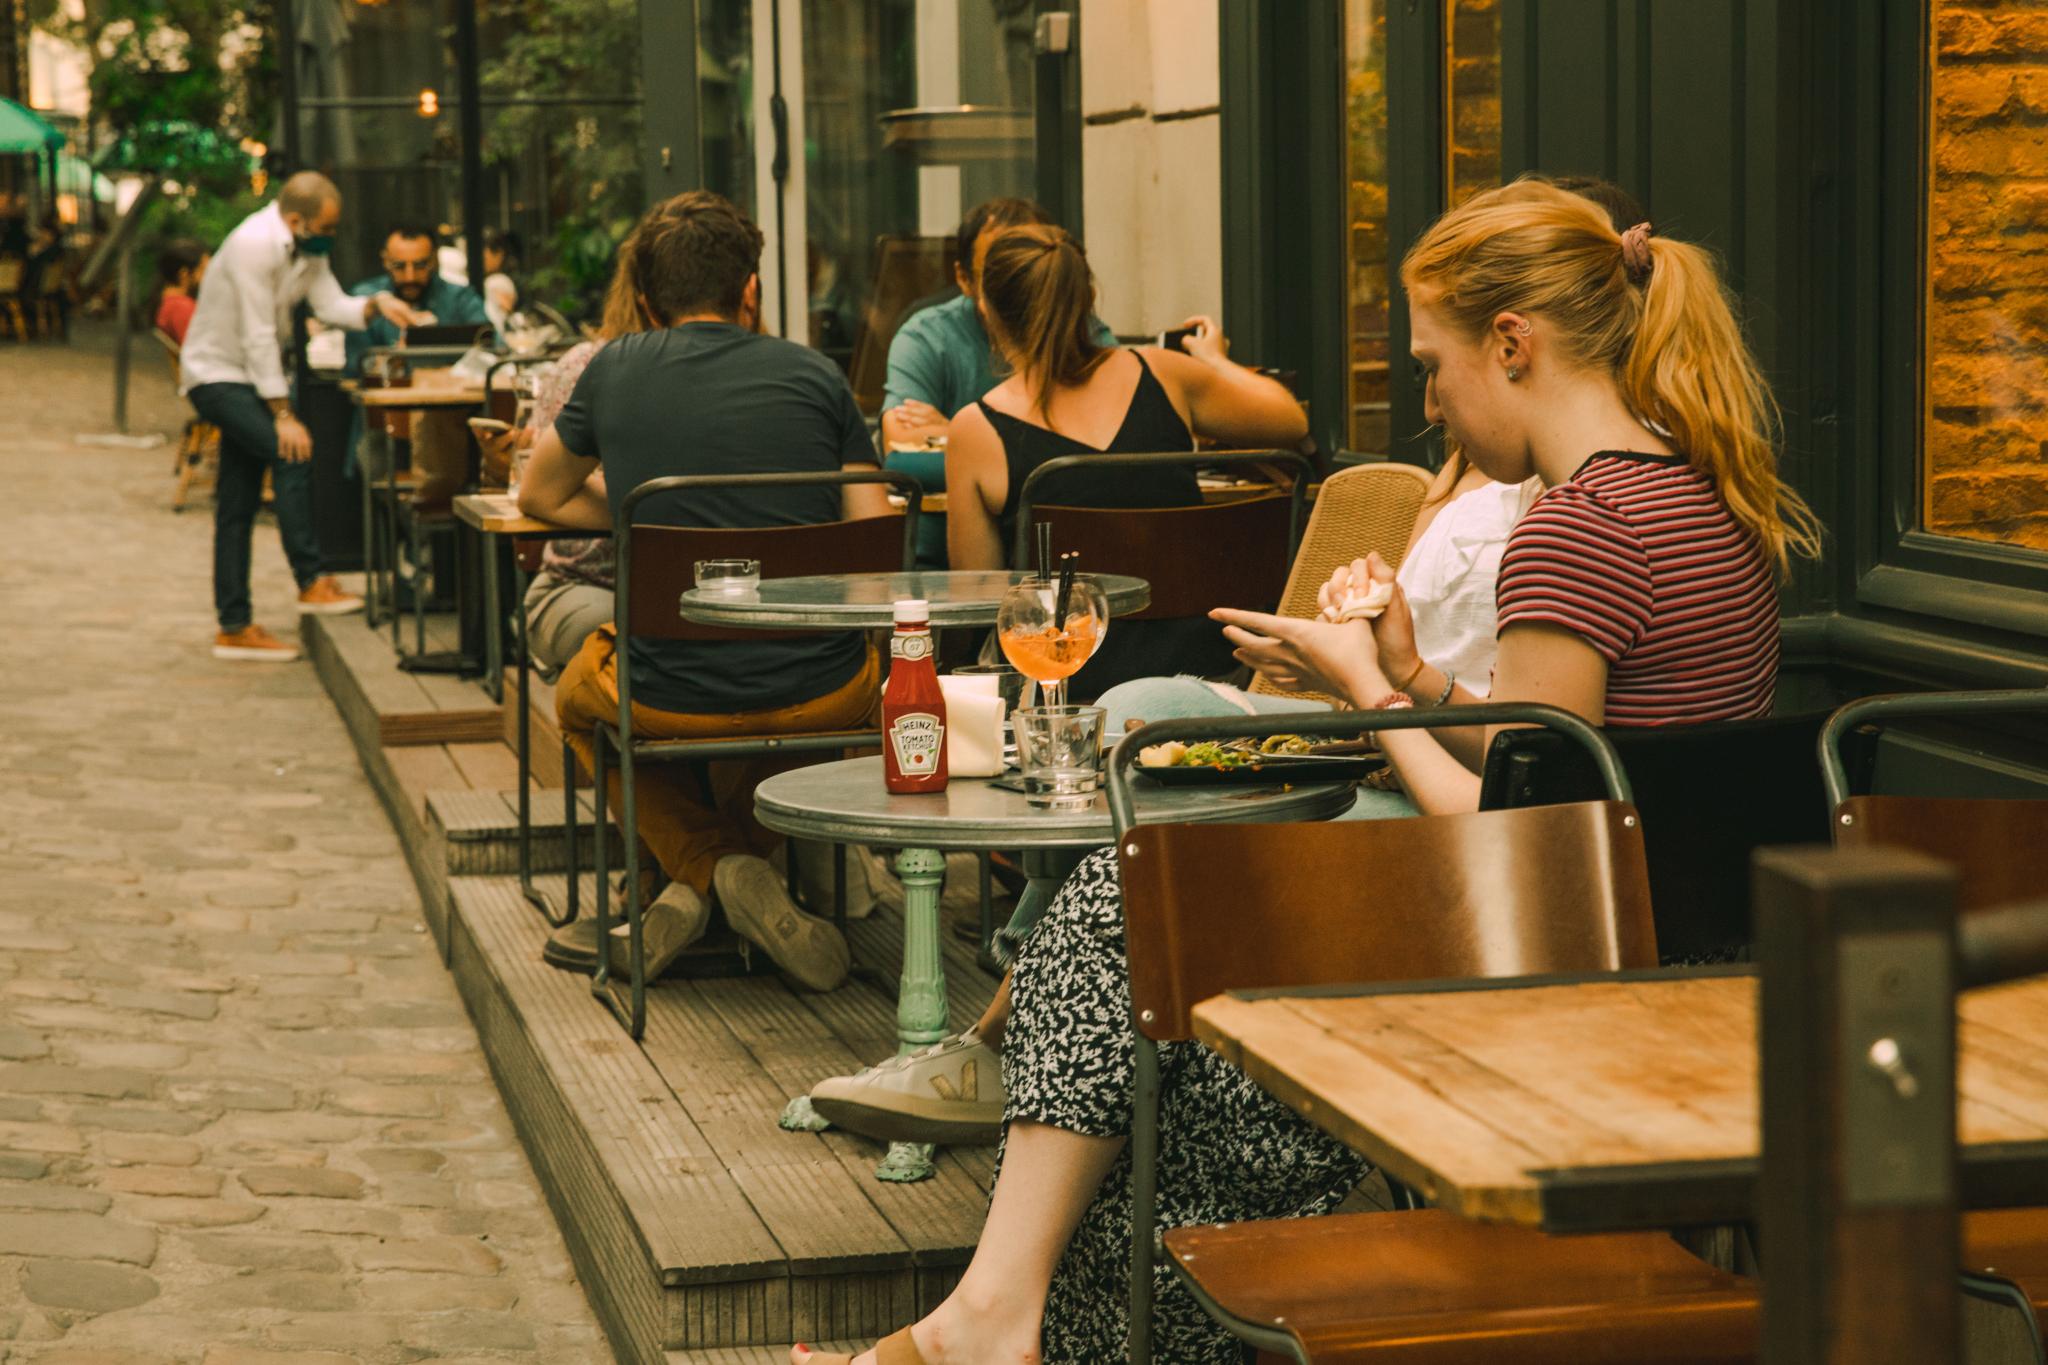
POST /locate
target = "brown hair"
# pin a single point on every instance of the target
(1669, 337)
(1039, 298)
(692, 253)
(1002, 212)
(621, 315)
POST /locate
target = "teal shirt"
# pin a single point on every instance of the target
(448, 301)
(941, 356)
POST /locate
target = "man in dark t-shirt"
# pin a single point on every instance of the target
(703, 392)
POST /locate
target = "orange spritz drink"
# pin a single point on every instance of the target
(1048, 641)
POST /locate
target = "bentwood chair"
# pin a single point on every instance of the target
(656, 565)
(1561, 888)
(1361, 508)
(1196, 557)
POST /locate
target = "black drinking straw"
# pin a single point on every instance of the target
(1045, 551)
(1064, 588)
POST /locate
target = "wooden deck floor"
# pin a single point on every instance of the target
(703, 1232)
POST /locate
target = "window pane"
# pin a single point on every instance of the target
(1367, 264)
(725, 98)
(914, 111)
(1472, 97)
(1986, 472)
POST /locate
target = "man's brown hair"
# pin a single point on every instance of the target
(693, 253)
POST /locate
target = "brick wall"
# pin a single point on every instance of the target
(1987, 336)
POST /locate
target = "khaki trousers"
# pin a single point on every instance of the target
(690, 829)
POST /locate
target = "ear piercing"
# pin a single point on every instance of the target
(1514, 373)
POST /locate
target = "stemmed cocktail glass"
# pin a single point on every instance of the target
(1047, 645)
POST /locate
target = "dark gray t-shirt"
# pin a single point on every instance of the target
(714, 398)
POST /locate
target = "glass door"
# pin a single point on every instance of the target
(888, 121)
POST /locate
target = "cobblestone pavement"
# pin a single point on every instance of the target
(244, 1119)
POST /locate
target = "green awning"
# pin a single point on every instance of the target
(24, 130)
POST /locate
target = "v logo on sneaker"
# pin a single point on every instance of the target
(967, 1092)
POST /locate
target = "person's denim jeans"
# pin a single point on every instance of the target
(248, 447)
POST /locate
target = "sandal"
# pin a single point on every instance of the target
(896, 1349)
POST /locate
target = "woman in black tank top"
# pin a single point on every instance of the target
(1068, 396)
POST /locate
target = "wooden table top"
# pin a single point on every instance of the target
(1629, 1101)
(417, 395)
(496, 514)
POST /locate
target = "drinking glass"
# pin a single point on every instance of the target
(1059, 751)
(1040, 645)
(728, 575)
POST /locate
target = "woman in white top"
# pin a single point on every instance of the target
(1448, 574)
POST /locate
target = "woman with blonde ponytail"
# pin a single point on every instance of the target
(1641, 589)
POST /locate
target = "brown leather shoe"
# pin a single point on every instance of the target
(324, 597)
(255, 643)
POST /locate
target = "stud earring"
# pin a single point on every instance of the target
(1514, 373)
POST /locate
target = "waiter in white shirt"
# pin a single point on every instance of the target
(233, 370)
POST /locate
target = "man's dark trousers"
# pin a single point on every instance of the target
(248, 447)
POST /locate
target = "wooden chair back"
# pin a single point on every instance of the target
(657, 564)
(11, 271)
(1195, 558)
(1174, 549)
(1999, 847)
(1216, 908)
(1210, 908)
(1361, 508)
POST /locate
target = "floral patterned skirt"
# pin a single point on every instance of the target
(1228, 1151)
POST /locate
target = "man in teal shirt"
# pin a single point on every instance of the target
(940, 361)
(411, 273)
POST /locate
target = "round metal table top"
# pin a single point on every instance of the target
(845, 802)
(867, 601)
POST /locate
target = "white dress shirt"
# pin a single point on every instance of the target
(1448, 577)
(244, 319)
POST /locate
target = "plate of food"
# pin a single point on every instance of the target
(1276, 758)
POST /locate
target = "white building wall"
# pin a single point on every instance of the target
(1151, 165)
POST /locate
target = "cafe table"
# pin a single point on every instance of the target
(1594, 1103)
(846, 803)
(496, 519)
(867, 601)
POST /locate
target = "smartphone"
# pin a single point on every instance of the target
(1177, 339)
(489, 426)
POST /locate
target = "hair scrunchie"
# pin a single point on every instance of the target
(1635, 253)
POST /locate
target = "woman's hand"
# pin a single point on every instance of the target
(1394, 630)
(1307, 656)
(1206, 342)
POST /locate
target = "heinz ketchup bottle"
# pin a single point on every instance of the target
(913, 708)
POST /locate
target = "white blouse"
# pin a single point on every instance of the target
(1448, 577)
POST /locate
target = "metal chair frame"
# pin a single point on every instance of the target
(616, 737)
(1902, 705)
(1123, 813)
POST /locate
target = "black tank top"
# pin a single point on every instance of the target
(1150, 423)
(1133, 649)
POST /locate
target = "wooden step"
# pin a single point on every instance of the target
(481, 830)
(382, 705)
(695, 1221)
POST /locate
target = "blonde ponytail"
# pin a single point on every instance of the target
(1669, 336)
(1040, 297)
(1689, 371)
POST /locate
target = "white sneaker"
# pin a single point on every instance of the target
(759, 909)
(814, 874)
(950, 1092)
(674, 921)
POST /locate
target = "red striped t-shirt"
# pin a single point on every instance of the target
(1638, 556)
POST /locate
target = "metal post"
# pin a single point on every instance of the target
(470, 116)
(1858, 1190)
(288, 81)
(124, 293)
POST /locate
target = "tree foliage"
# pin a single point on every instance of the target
(586, 156)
